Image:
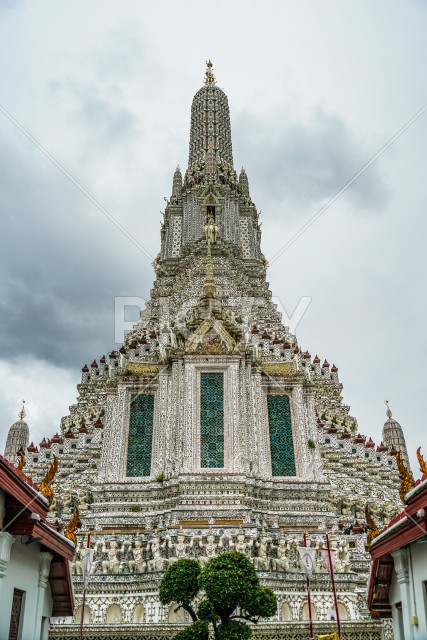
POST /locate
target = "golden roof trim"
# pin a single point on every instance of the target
(279, 369)
(141, 368)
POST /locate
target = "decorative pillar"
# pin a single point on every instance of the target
(315, 462)
(300, 434)
(6, 542)
(261, 461)
(113, 457)
(174, 422)
(2, 508)
(235, 418)
(160, 424)
(190, 426)
(401, 567)
(45, 558)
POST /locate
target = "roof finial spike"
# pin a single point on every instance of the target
(389, 413)
(22, 413)
(209, 76)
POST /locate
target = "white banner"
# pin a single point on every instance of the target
(325, 557)
(307, 556)
(87, 564)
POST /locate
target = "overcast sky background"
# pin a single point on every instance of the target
(316, 89)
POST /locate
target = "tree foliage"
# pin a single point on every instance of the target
(180, 584)
(199, 630)
(234, 630)
(233, 593)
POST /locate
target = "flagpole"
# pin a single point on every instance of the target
(84, 592)
(308, 594)
(331, 569)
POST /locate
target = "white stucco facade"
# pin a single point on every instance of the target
(34, 560)
(25, 568)
(408, 595)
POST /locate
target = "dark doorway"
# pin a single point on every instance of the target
(15, 616)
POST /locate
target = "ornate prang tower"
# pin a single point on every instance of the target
(210, 429)
(18, 437)
(393, 436)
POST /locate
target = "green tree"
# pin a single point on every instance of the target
(233, 595)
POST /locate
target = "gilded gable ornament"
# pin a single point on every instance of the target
(21, 456)
(45, 485)
(373, 530)
(406, 479)
(73, 525)
(422, 462)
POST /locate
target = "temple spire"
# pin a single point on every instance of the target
(393, 436)
(244, 183)
(17, 437)
(177, 182)
(210, 124)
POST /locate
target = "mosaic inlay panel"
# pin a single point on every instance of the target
(281, 442)
(140, 435)
(212, 420)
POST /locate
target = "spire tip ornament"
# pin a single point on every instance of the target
(210, 79)
(389, 413)
(22, 414)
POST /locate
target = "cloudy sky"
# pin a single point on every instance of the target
(316, 91)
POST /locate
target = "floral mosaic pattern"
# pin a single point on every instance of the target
(140, 435)
(281, 443)
(212, 419)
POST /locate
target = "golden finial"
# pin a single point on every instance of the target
(45, 485)
(21, 456)
(73, 525)
(389, 413)
(373, 530)
(22, 413)
(423, 463)
(406, 479)
(209, 76)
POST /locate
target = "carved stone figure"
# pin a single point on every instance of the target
(210, 549)
(261, 561)
(345, 506)
(179, 548)
(281, 563)
(211, 231)
(241, 545)
(112, 564)
(138, 563)
(158, 562)
(343, 555)
(77, 563)
(359, 510)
